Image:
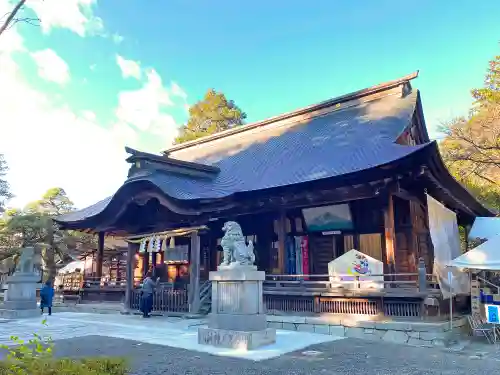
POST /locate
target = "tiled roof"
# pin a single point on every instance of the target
(342, 139)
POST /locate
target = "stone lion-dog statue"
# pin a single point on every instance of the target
(236, 251)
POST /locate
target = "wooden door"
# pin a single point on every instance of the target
(323, 250)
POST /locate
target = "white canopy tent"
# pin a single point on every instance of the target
(485, 228)
(484, 257)
(72, 267)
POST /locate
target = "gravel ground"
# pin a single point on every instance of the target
(344, 357)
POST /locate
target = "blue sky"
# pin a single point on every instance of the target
(99, 74)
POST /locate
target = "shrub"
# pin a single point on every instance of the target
(35, 357)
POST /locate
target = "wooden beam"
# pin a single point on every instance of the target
(281, 241)
(100, 254)
(194, 274)
(406, 195)
(390, 236)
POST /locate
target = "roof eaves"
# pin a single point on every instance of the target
(163, 159)
(301, 111)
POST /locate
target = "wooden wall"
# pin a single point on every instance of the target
(411, 237)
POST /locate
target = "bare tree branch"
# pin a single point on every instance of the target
(12, 19)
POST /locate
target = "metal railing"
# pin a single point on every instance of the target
(489, 283)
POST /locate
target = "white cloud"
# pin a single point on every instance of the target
(48, 145)
(74, 15)
(117, 38)
(129, 68)
(177, 90)
(51, 66)
(145, 108)
(125, 134)
(89, 115)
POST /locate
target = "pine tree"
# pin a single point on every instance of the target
(213, 114)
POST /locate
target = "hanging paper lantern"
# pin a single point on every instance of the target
(165, 243)
(172, 243)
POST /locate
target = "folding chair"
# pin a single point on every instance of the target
(482, 329)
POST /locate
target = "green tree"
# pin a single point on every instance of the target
(33, 226)
(490, 92)
(471, 148)
(213, 114)
(5, 193)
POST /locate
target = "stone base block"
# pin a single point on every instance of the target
(236, 339)
(19, 314)
(19, 305)
(238, 322)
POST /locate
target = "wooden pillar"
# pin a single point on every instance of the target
(153, 264)
(422, 276)
(282, 242)
(413, 234)
(390, 237)
(100, 254)
(194, 274)
(145, 263)
(131, 251)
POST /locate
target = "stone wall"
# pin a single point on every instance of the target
(414, 333)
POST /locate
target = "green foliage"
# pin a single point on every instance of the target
(490, 92)
(213, 114)
(5, 193)
(471, 149)
(35, 357)
(33, 226)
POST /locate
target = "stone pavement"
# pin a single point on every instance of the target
(158, 346)
(341, 357)
(173, 332)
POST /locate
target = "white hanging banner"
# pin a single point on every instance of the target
(445, 237)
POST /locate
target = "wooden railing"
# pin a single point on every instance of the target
(323, 283)
(394, 295)
(164, 300)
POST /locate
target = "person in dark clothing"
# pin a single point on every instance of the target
(46, 297)
(148, 289)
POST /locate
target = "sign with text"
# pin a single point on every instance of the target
(492, 314)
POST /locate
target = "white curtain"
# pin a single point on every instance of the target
(443, 228)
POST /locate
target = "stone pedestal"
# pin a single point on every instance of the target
(20, 296)
(238, 318)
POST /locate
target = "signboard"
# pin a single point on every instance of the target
(492, 314)
(332, 232)
(346, 270)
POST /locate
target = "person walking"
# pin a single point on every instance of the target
(46, 297)
(148, 289)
